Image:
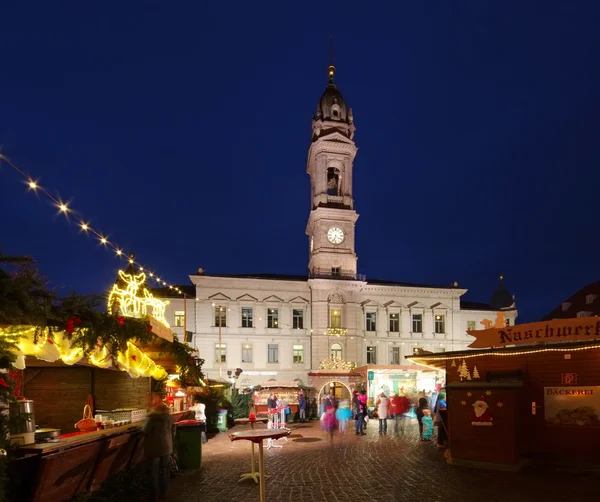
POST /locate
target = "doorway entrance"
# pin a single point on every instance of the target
(340, 390)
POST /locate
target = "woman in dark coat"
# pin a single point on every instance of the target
(423, 405)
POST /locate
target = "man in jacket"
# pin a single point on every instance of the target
(302, 407)
(158, 446)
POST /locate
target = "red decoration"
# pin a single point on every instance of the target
(70, 326)
(3, 382)
(50, 341)
(134, 358)
(149, 329)
(121, 320)
(16, 376)
(77, 320)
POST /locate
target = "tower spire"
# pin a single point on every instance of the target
(331, 69)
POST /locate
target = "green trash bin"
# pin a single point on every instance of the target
(222, 420)
(189, 443)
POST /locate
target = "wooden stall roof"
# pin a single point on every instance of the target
(438, 360)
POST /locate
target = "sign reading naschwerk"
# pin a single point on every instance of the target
(558, 330)
(572, 406)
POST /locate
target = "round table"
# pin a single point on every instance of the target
(244, 421)
(257, 436)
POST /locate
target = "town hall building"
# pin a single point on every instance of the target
(312, 328)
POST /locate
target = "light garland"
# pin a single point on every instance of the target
(337, 363)
(85, 227)
(336, 331)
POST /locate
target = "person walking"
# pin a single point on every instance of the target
(441, 420)
(360, 401)
(395, 413)
(422, 406)
(158, 446)
(382, 412)
(302, 407)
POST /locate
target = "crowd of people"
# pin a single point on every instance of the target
(430, 410)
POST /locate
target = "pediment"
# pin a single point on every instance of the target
(335, 136)
(393, 303)
(417, 305)
(219, 296)
(298, 299)
(246, 298)
(440, 305)
(273, 298)
(370, 303)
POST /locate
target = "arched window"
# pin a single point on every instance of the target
(336, 350)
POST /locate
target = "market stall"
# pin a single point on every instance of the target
(532, 395)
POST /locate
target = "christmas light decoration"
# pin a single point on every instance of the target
(128, 302)
(337, 363)
(64, 208)
(336, 331)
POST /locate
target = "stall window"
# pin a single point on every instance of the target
(273, 353)
(471, 325)
(246, 353)
(179, 318)
(247, 317)
(298, 318)
(394, 323)
(336, 351)
(221, 350)
(395, 355)
(298, 355)
(221, 316)
(335, 319)
(371, 321)
(440, 323)
(272, 318)
(371, 355)
(417, 323)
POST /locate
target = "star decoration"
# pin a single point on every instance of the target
(500, 404)
(488, 392)
(463, 402)
(469, 394)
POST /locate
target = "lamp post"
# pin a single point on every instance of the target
(220, 344)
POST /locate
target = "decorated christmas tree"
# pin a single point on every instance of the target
(453, 365)
(475, 372)
(463, 371)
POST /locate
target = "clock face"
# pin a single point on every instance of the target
(335, 235)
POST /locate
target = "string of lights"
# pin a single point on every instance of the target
(85, 227)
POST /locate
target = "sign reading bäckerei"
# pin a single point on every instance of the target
(558, 330)
(572, 406)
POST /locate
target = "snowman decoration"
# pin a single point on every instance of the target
(481, 415)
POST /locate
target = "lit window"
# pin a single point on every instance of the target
(395, 323)
(220, 316)
(298, 355)
(584, 314)
(298, 319)
(247, 317)
(246, 353)
(471, 326)
(589, 299)
(371, 321)
(336, 319)
(272, 318)
(417, 323)
(221, 351)
(395, 355)
(336, 351)
(371, 355)
(440, 323)
(507, 322)
(273, 353)
(179, 318)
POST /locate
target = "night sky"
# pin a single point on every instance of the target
(183, 133)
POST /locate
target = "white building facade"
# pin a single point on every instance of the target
(283, 327)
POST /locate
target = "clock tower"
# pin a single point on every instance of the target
(332, 219)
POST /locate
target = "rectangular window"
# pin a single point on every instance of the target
(394, 323)
(336, 272)
(273, 353)
(272, 318)
(471, 326)
(336, 319)
(298, 354)
(439, 349)
(507, 322)
(179, 316)
(371, 355)
(298, 319)
(221, 316)
(440, 323)
(371, 321)
(417, 323)
(221, 351)
(247, 318)
(246, 353)
(395, 355)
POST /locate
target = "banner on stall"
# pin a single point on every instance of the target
(572, 406)
(559, 330)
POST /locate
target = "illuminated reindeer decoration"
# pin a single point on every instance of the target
(129, 303)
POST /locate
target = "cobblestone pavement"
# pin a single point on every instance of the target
(312, 466)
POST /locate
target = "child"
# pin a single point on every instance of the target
(328, 420)
(427, 425)
(343, 415)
